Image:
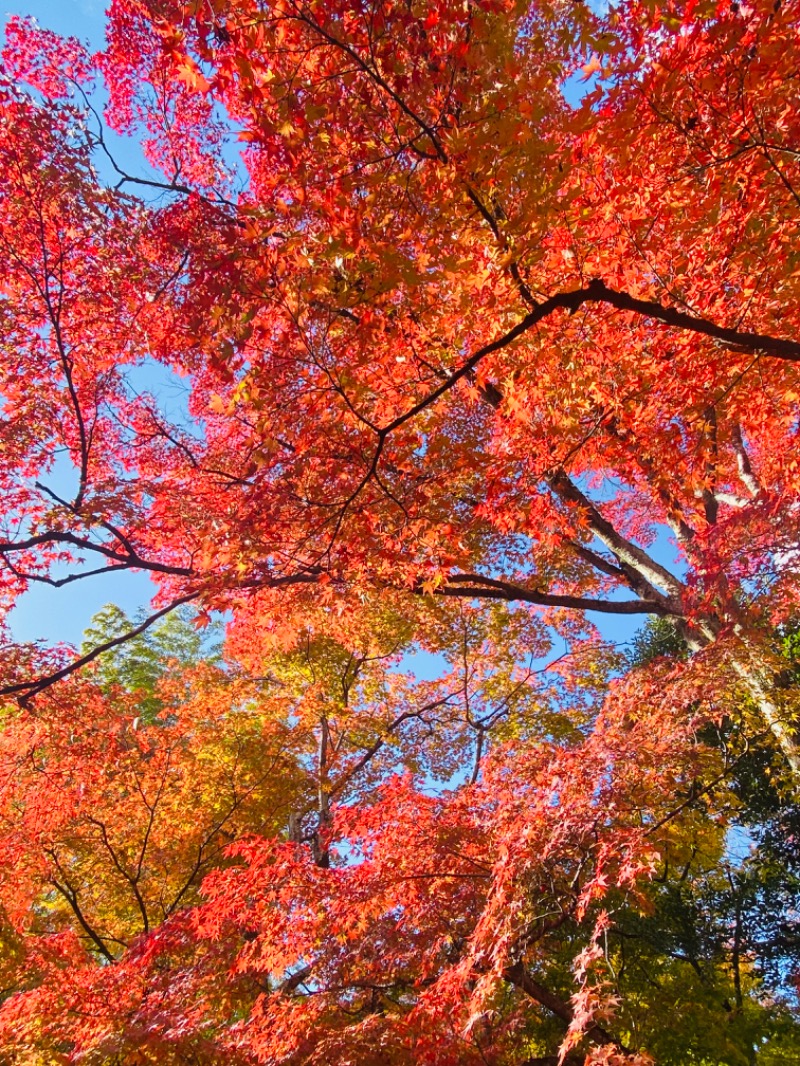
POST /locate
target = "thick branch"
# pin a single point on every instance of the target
(475, 586)
(131, 559)
(777, 347)
(569, 301)
(746, 475)
(518, 976)
(596, 560)
(598, 292)
(636, 563)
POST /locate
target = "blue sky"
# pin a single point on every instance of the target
(62, 614)
(44, 613)
(80, 18)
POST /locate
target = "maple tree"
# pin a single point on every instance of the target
(447, 338)
(348, 912)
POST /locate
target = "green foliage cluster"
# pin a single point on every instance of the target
(139, 663)
(719, 950)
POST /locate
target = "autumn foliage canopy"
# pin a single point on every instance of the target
(484, 320)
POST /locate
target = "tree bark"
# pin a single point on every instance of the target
(774, 718)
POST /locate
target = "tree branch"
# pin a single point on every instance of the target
(777, 347)
(475, 586)
(634, 561)
(746, 475)
(598, 292)
(33, 688)
(518, 976)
